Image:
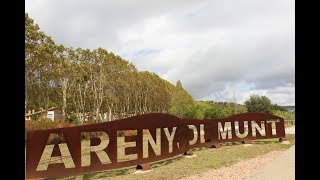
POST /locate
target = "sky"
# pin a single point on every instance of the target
(219, 50)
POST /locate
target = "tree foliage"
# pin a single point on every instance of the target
(210, 109)
(258, 103)
(94, 84)
(284, 114)
(181, 102)
(276, 107)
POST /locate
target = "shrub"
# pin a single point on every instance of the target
(34, 117)
(258, 103)
(31, 125)
(284, 114)
(64, 124)
(276, 107)
(198, 111)
(213, 113)
(46, 124)
(192, 113)
(74, 119)
(90, 121)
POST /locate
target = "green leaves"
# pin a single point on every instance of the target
(94, 82)
(258, 103)
(181, 102)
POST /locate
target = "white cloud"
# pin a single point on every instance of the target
(214, 47)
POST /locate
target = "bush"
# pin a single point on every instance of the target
(227, 111)
(192, 113)
(258, 103)
(213, 113)
(34, 117)
(198, 111)
(64, 124)
(31, 125)
(279, 108)
(46, 124)
(89, 121)
(286, 115)
(74, 119)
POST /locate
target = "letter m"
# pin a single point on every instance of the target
(224, 130)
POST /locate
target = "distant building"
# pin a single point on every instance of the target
(53, 113)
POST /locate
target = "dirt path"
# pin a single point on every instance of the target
(240, 170)
(280, 168)
(290, 130)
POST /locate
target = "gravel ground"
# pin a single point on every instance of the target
(290, 130)
(240, 170)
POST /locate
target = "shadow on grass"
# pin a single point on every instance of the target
(266, 141)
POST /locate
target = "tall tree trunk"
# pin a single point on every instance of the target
(110, 114)
(47, 103)
(64, 99)
(128, 105)
(97, 115)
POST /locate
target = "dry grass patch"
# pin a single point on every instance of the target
(207, 158)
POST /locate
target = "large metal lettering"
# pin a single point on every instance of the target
(137, 140)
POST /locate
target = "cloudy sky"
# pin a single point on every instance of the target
(216, 48)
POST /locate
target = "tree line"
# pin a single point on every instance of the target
(95, 81)
(103, 85)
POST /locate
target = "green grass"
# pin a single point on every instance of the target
(207, 158)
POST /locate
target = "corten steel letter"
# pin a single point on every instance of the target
(225, 130)
(137, 140)
(195, 134)
(170, 137)
(202, 140)
(148, 139)
(121, 147)
(87, 148)
(47, 158)
(274, 130)
(256, 128)
(252, 126)
(245, 131)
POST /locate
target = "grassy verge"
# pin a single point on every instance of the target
(207, 158)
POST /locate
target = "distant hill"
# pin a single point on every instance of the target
(290, 108)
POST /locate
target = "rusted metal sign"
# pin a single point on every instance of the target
(137, 140)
